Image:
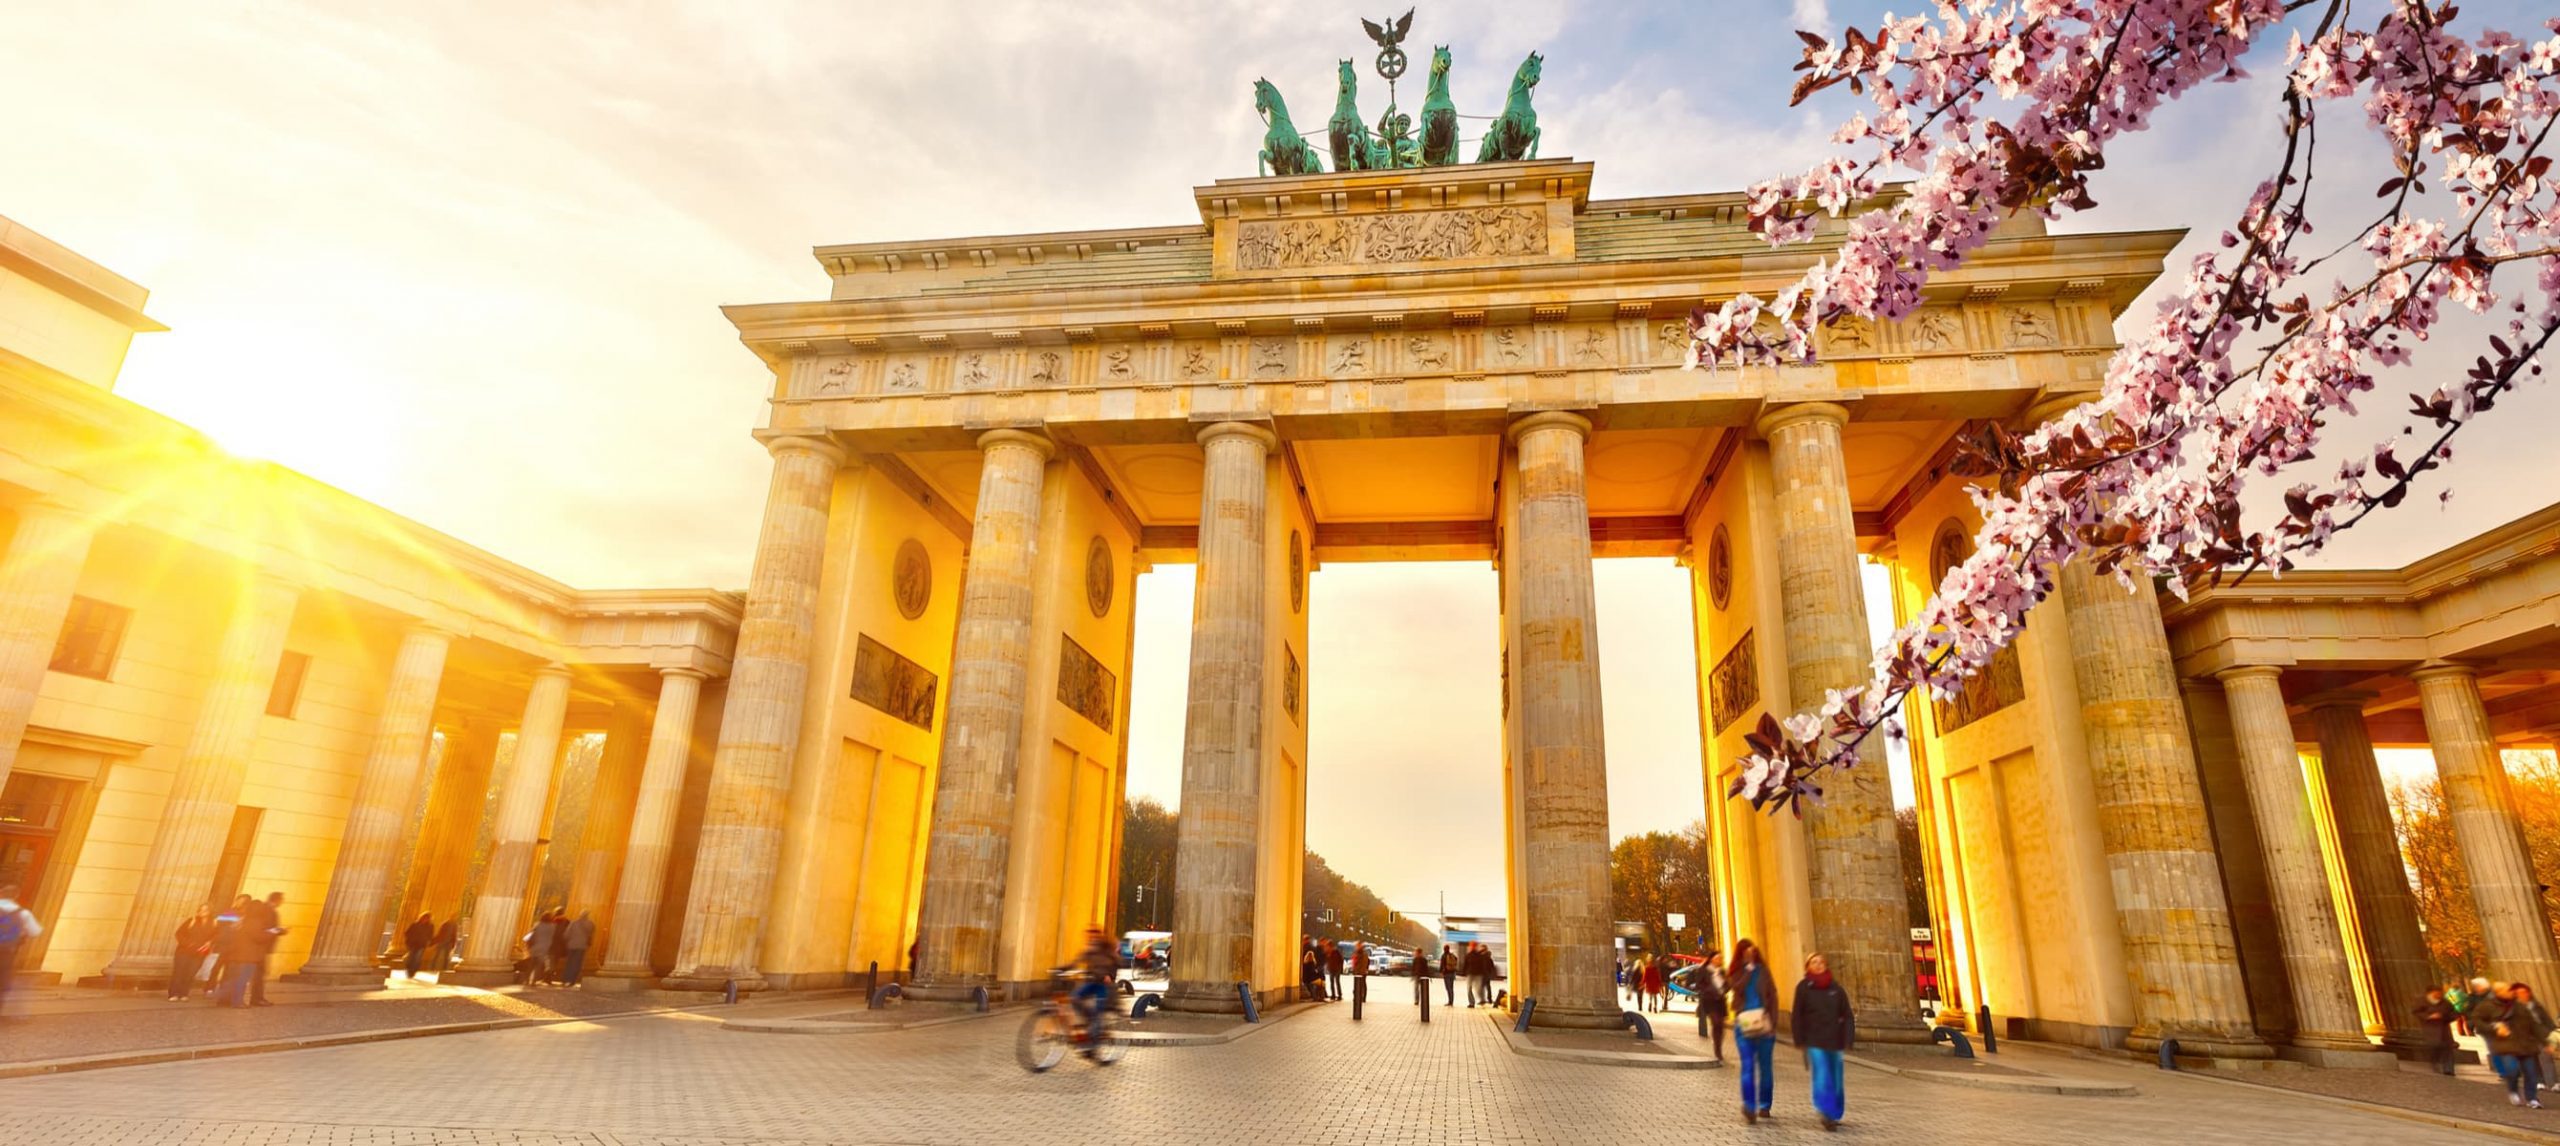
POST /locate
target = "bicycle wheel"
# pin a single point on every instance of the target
(1110, 1049)
(1042, 1043)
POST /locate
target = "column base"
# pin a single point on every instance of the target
(1913, 1033)
(714, 979)
(2338, 1057)
(622, 979)
(2200, 1044)
(1199, 998)
(1579, 1016)
(132, 974)
(310, 978)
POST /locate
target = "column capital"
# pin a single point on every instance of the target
(2346, 698)
(1778, 418)
(2250, 672)
(1216, 430)
(2441, 671)
(682, 670)
(551, 668)
(779, 442)
(1021, 439)
(430, 629)
(1550, 420)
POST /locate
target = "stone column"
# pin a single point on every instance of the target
(498, 913)
(2515, 933)
(37, 576)
(598, 873)
(2315, 953)
(1563, 762)
(653, 826)
(350, 928)
(958, 915)
(456, 801)
(203, 796)
(2244, 865)
(2386, 912)
(1217, 837)
(1860, 918)
(2178, 944)
(741, 838)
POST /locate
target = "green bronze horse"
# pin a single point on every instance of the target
(1515, 134)
(1439, 115)
(1284, 151)
(1349, 134)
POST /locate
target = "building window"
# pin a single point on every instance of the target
(90, 636)
(288, 686)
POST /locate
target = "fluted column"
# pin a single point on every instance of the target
(741, 838)
(351, 916)
(2315, 953)
(1860, 918)
(177, 874)
(1217, 841)
(592, 883)
(2386, 912)
(2244, 865)
(1563, 761)
(2514, 931)
(2178, 944)
(653, 826)
(498, 912)
(456, 801)
(37, 576)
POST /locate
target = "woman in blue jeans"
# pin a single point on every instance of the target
(1825, 1028)
(1755, 1027)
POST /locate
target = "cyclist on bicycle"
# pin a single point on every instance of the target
(1100, 968)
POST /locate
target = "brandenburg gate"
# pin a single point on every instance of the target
(978, 444)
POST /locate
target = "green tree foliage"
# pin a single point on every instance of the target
(1146, 861)
(2434, 856)
(1656, 874)
(1356, 912)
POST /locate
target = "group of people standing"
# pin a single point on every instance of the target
(1476, 963)
(227, 953)
(2518, 1029)
(1648, 979)
(555, 951)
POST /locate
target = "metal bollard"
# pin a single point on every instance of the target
(1526, 1006)
(2168, 1054)
(1990, 1038)
(881, 996)
(1964, 1046)
(1244, 991)
(1644, 1029)
(1422, 991)
(978, 998)
(1359, 996)
(729, 992)
(871, 980)
(1146, 1002)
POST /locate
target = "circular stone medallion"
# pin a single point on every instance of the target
(1720, 568)
(1097, 577)
(911, 579)
(1297, 572)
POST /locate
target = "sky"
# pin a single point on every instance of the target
(466, 259)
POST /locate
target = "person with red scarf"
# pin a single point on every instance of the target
(1825, 1027)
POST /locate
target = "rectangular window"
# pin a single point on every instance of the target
(288, 687)
(235, 857)
(91, 633)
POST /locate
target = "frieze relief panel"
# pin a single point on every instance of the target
(1396, 237)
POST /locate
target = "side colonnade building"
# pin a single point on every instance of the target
(910, 736)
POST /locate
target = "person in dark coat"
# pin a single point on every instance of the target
(2435, 1013)
(446, 937)
(1755, 1027)
(186, 958)
(558, 957)
(252, 942)
(1711, 1001)
(576, 936)
(537, 949)
(1333, 969)
(420, 935)
(1448, 974)
(1310, 971)
(1825, 1027)
(2516, 1028)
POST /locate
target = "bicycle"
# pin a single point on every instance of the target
(1058, 1025)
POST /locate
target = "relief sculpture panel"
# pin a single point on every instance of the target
(892, 683)
(1084, 686)
(1396, 237)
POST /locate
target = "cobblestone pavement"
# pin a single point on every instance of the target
(1316, 1077)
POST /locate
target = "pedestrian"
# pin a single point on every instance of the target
(1422, 976)
(2435, 1013)
(2461, 1001)
(1484, 973)
(447, 937)
(577, 938)
(1825, 1027)
(252, 943)
(17, 926)
(558, 956)
(1448, 974)
(2516, 1029)
(1333, 968)
(537, 949)
(187, 957)
(421, 934)
(1755, 1029)
(1711, 1009)
(1655, 987)
(224, 925)
(1310, 971)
